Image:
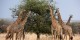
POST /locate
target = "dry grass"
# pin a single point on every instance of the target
(42, 37)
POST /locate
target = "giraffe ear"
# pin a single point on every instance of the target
(56, 11)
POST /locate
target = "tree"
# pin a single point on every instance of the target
(39, 20)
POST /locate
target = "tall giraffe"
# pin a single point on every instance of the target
(22, 26)
(55, 24)
(14, 27)
(66, 28)
(68, 22)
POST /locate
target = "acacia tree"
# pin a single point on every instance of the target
(39, 20)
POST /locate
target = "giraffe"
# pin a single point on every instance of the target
(66, 28)
(68, 22)
(22, 25)
(14, 27)
(57, 27)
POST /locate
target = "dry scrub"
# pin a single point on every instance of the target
(33, 36)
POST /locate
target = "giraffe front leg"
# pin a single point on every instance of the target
(12, 36)
(23, 35)
(16, 36)
(55, 35)
(65, 36)
(7, 36)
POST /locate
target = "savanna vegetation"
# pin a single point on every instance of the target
(39, 21)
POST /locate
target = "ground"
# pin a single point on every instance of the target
(33, 37)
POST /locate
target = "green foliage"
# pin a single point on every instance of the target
(38, 24)
(35, 6)
(39, 20)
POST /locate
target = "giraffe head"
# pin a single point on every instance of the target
(71, 16)
(57, 12)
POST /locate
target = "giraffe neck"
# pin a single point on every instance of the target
(59, 18)
(25, 19)
(18, 19)
(54, 22)
(68, 22)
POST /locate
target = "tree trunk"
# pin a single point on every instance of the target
(38, 36)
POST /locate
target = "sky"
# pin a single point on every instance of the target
(5, 6)
(69, 7)
(66, 7)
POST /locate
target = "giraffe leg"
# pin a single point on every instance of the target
(23, 35)
(7, 36)
(12, 36)
(20, 36)
(54, 35)
(70, 37)
(61, 37)
(65, 36)
(52, 32)
(16, 36)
